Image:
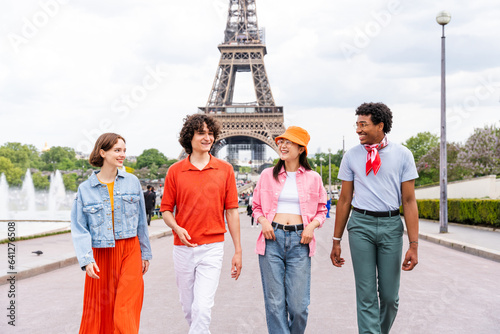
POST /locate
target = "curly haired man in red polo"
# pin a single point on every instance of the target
(199, 189)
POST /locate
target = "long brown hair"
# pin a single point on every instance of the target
(105, 142)
(281, 163)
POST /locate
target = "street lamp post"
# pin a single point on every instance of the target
(443, 18)
(329, 172)
(321, 168)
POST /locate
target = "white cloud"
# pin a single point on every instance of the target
(64, 82)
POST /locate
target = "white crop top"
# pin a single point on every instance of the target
(288, 202)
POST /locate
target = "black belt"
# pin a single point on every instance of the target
(288, 227)
(378, 213)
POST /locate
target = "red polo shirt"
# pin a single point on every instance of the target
(200, 198)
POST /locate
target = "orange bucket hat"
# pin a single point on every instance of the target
(296, 135)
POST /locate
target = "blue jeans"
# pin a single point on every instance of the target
(286, 279)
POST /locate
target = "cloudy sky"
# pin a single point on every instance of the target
(71, 70)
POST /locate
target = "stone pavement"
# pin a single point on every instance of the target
(58, 250)
(476, 240)
(448, 292)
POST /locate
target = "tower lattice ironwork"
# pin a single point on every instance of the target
(252, 125)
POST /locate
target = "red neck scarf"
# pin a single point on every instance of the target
(373, 158)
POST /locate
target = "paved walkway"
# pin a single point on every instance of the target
(58, 250)
(480, 241)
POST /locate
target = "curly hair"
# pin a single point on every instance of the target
(379, 113)
(105, 142)
(194, 123)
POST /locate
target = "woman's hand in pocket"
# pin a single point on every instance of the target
(267, 229)
(307, 234)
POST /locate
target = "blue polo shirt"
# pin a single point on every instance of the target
(381, 192)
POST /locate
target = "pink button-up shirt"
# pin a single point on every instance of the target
(312, 198)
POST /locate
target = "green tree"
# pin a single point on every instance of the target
(337, 158)
(335, 173)
(57, 155)
(130, 164)
(66, 164)
(70, 181)
(34, 156)
(23, 156)
(12, 173)
(153, 171)
(481, 153)
(149, 157)
(322, 166)
(245, 169)
(142, 173)
(162, 171)
(315, 160)
(40, 182)
(421, 144)
(83, 164)
(170, 162)
(428, 165)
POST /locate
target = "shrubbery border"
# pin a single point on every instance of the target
(462, 211)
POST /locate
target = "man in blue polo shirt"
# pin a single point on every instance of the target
(377, 177)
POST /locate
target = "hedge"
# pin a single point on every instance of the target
(463, 211)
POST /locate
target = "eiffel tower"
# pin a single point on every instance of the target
(244, 126)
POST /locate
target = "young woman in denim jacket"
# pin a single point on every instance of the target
(289, 203)
(110, 236)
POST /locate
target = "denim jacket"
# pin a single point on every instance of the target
(91, 219)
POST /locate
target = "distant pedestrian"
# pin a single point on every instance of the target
(250, 210)
(159, 196)
(154, 201)
(150, 200)
(377, 177)
(112, 246)
(199, 189)
(328, 207)
(289, 203)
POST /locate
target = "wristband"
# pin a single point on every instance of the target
(336, 239)
(413, 242)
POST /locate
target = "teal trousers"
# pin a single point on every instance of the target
(376, 248)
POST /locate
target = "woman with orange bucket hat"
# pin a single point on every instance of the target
(289, 204)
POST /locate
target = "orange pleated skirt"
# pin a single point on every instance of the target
(113, 303)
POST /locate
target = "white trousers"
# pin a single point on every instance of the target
(197, 272)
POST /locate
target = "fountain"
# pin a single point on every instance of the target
(35, 211)
(57, 193)
(28, 192)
